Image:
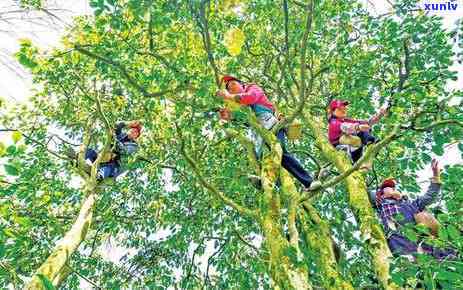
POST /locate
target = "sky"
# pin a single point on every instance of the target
(16, 84)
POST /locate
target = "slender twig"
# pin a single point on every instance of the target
(127, 76)
(83, 277)
(241, 209)
(434, 124)
(244, 240)
(204, 25)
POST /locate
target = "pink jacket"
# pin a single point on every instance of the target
(254, 95)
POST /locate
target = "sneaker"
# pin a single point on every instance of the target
(314, 185)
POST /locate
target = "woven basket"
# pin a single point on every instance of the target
(294, 131)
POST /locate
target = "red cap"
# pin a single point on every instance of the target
(137, 127)
(334, 104)
(227, 78)
(388, 183)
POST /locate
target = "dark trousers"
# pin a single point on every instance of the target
(292, 164)
(366, 139)
(400, 245)
(107, 169)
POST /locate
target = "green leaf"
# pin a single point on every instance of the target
(11, 170)
(11, 150)
(16, 136)
(2, 149)
(454, 233)
(449, 276)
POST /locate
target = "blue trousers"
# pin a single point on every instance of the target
(107, 169)
(291, 164)
(400, 245)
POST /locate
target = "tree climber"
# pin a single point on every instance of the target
(349, 134)
(125, 145)
(253, 96)
(396, 210)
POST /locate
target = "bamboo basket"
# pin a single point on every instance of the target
(294, 131)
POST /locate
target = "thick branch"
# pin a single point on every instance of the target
(370, 153)
(54, 264)
(109, 138)
(289, 189)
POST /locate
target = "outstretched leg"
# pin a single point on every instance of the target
(292, 164)
(367, 139)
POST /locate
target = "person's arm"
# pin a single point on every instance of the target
(376, 117)
(248, 98)
(251, 96)
(433, 190)
(351, 127)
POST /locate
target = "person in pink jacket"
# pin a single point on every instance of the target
(253, 96)
(355, 134)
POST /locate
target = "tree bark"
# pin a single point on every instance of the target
(372, 234)
(318, 237)
(53, 266)
(287, 269)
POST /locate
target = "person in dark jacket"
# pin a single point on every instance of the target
(253, 96)
(396, 210)
(125, 145)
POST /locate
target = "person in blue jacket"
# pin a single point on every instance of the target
(126, 135)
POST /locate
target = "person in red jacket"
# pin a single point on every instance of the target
(353, 134)
(253, 96)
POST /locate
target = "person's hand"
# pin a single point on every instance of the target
(220, 93)
(397, 195)
(390, 192)
(435, 168)
(224, 94)
(225, 114)
(364, 127)
(383, 111)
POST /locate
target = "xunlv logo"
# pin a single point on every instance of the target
(441, 6)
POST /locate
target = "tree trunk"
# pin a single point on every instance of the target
(55, 263)
(317, 234)
(371, 231)
(287, 270)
